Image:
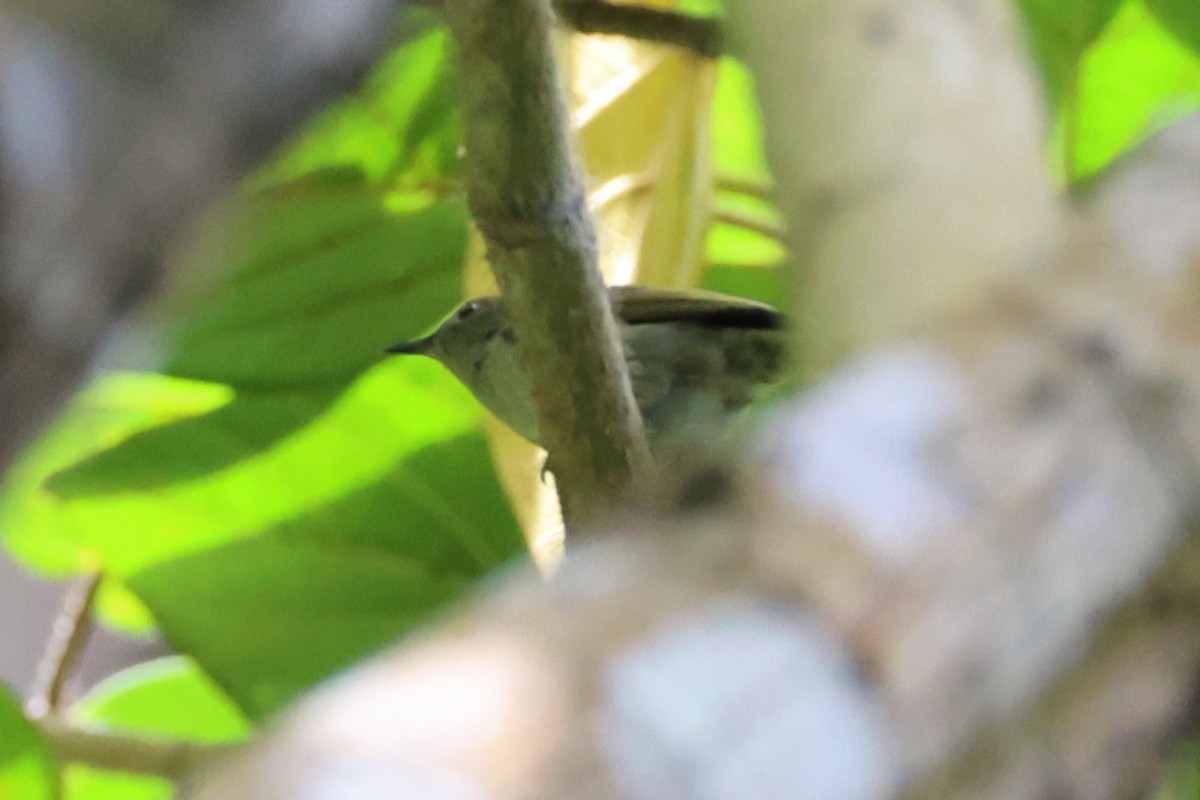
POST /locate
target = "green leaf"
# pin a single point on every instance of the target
(1180, 17)
(333, 252)
(758, 283)
(112, 409)
(281, 497)
(1136, 79)
(1114, 74)
(737, 135)
(272, 616)
(288, 342)
(324, 274)
(88, 783)
(124, 610)
(169, 698)
(747, 230)
(27, 771)
(743, 249)
(701, 8)
(1060, 32)
(144, 502)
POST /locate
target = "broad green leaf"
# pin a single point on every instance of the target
(764, 284)
(287, 299)
(369, 440)
(275, 615)
(701, 8)
(746, 228)
(1060, 32)
(1114, 74)
(289, 332)
(1180, 17)
(406, 531)
(743, 243)
(27, 772)
(301, 429)
(88, 783)
(169, 698)
(329, 271)
(277, 450)
(124, 610)
(745, 246)
(113, 408)
(737, 135)
(1136, 79)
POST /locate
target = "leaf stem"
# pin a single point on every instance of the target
(749, 223)
(68, 638)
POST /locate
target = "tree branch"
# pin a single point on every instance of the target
(527, 197)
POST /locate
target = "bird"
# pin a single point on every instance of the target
(695, 358)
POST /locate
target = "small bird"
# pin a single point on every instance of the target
(695, 358)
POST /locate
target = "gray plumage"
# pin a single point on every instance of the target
(694, 357)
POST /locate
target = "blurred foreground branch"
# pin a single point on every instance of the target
(957, 569)
(994, 639)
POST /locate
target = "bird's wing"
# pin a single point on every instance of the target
(640, 305)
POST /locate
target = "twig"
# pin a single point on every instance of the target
(702, 35)
(616, 188)
(760, 190)
(68, 637)
(746, 222)
(161, 757)
(527, 196)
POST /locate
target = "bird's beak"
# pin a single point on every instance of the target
(414, 347)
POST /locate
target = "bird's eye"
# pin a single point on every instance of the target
(467, 310)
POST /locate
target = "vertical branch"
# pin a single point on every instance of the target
(527, 196)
